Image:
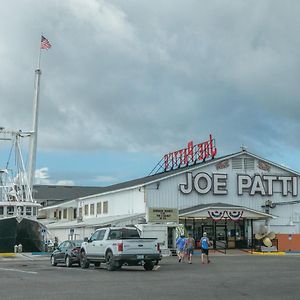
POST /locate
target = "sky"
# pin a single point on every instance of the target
(127, 81)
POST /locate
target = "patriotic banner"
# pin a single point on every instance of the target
(216, 215)
(233, 215)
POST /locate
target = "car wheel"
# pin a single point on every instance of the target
(148, 266)
(68, 261)
(52, 261)
(110, 261)
(84, 263)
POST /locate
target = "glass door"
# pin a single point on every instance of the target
(221, 241)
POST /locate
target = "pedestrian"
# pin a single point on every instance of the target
(180, 244)
(190, 246)
(205, 243)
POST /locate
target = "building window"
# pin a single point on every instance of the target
(59, 214)
(75, 213)
(80, 212)
(10, 210)
(34, 211)
(1, 210)
(20, 210)
(105, 207)
(86, 210)
(28, 211)
(92, 209)
(54, 215)
(65, 213)
(99, 208)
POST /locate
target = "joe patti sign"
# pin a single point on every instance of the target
(203, 183)
(191, 154)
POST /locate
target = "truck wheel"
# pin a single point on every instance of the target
(84, 263)
(110, 262)
(68, 261)
(97, 264)
(148, 266)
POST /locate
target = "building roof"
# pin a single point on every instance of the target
(98, 222)
(54, 192)
(59, 192)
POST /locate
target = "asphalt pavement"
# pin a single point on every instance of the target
(231, 276)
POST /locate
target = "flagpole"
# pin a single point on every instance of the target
(33, 139)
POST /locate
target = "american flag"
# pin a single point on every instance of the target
(45, 44)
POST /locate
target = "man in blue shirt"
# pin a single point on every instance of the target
(180, 244)
(205, 243)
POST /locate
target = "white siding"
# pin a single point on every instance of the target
(167, 193)
(119, 203)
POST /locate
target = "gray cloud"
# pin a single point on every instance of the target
(151, 74)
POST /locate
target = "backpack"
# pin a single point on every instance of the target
(204, 243)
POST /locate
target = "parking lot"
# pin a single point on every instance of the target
(227, 277)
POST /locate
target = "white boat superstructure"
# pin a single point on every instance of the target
(18, 211)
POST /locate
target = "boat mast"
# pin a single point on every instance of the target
(44, 44)
(33, 138)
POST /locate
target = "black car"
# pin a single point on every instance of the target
(66, 253)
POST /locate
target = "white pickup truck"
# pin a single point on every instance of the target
(118, 246)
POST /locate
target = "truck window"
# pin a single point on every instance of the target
(124, 233)
(130, 234)
(101, 235)
(114, 235)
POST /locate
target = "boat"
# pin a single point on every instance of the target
(19, 225)
(18, 211)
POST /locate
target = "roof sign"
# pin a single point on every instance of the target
(190, 155)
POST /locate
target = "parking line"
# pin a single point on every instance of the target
(21, 271)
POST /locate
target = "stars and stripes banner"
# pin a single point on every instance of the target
(233, 215)
(45, 44)
(216, 215)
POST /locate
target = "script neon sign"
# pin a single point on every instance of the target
(191, 154)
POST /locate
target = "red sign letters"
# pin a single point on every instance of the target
(191, 154)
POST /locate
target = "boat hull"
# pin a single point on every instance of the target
(28, 233)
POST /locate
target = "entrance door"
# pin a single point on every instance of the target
(221, 237)
(217, 234)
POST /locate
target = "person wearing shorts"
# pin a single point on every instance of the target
(205, 243)
(190, 245)
(180, 243)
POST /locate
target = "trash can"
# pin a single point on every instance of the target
(16, 248)
(20, 248)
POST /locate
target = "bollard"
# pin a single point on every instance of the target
(16, 248)
(20, 248)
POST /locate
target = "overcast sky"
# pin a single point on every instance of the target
(127, 81)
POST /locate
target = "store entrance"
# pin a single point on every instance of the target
(217, 234)
(224, 234)
(220, 240)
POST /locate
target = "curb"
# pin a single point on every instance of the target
(267, 253)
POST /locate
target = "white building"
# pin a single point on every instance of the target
(228, 197)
